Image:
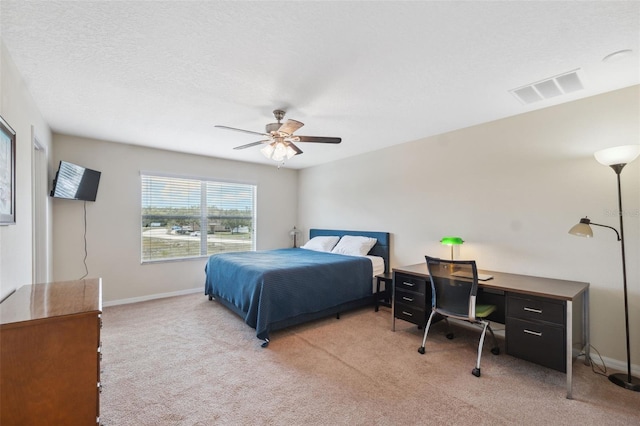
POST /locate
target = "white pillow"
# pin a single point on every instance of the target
(354, 246)
(321, 243)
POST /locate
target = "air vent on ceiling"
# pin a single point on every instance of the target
(558, 85)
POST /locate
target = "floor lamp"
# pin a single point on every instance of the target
(616, 158)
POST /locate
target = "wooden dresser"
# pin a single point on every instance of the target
(50, 354)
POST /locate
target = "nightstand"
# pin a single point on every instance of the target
(387, 278)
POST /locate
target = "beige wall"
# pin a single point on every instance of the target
(20, 111)
(113, 220)
(511, 189)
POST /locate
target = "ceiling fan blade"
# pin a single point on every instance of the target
(295, 148)
(249, 145)
(241, 130)
(290, 126)
(319, 139)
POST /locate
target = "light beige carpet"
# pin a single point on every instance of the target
(190, 361)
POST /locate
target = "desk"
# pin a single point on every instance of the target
(530, 301)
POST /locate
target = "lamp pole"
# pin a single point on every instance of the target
(616, 158)
(620, 379)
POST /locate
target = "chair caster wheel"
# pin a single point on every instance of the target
(421, 350)
(476, 372)
(450, 336)
(495, 351)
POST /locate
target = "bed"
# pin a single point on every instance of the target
(274, 289)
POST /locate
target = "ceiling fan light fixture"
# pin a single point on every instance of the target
(267, 150)
(290, 152)
(278, 151)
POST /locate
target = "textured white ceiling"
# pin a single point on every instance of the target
(162, 74)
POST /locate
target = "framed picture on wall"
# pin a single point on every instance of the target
(7, 174)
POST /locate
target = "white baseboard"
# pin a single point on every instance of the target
(153, 297)
(614, 364)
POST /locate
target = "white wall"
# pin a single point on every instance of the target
(512, 189)
(113, 220)
(20, 111)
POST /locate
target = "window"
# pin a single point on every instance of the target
(187, 217)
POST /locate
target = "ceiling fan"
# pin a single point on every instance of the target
(280, 138)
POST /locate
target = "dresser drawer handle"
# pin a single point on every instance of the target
(408, 284)
(408, 299)
(407, 313)
(535, 333)
(535, 311)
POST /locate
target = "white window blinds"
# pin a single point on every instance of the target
(186, 217)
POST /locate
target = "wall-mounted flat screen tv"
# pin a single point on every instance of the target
(75, 182)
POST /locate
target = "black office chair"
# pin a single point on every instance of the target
(454, 286)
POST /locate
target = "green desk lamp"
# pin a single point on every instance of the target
(451, 241)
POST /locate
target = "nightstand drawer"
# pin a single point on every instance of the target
(410, 298)
(536, 342)
(536, 309)
(411, 283)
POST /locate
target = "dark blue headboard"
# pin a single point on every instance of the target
(382, 247)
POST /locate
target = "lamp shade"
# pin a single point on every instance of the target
(451, 241)
(582, 229)
(617, 155)
(278, 150)
(267, 150)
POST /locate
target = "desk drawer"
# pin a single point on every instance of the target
(536, 309)
(536, 342)
(410, 283)
(410, 313)
(409, 298)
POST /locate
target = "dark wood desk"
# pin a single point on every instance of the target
(537, 309)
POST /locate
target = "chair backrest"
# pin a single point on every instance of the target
(454, 286)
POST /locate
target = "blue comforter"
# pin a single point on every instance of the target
(273, 285)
